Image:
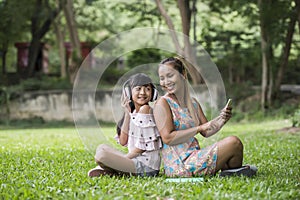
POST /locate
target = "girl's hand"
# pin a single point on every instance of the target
(226, 114)
(125, 103)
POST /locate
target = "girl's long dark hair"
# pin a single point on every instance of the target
(119, 124)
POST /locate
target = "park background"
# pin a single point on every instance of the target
(255, 45)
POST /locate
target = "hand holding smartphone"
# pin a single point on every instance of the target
(229, 103)
(226, 112)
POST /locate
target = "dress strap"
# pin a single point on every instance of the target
(174, 104)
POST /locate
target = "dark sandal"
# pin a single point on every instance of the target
(248, 170)
(97, 171)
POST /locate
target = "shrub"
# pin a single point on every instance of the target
(45, 83)
(296, 118)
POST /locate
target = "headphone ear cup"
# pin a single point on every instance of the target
(155, 94)
(127, 92)
(126, 89)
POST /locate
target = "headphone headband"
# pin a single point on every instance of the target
(127, 90)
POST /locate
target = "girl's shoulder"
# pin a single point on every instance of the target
(173, 102)
(145, 109)
(162, 100)
(167, 98)
(143, 120)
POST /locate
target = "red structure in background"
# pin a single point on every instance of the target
(85, 50)
(42, 63)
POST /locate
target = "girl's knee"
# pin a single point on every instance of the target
(101, 152)
(102, 147)
(236, 142)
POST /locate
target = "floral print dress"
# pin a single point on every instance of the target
(187, 159)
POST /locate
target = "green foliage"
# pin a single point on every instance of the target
(40, 123)
(37, 122)
(41, 82)
(249, 110)
(45, 83)
(13, 16)
(292, 73)
(111, 75)
(53, 163)
(296, 118)
(229, 32)
(112, 17)
(3, 95)
(239, 90)
(144, 56)
(131, 60)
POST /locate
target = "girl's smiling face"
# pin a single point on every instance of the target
(141, 95)
(170, 79)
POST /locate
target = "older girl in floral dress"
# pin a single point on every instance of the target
(179, 118)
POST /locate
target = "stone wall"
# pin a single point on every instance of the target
(57, 105)
(63, 105)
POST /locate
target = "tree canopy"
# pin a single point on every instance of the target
(252, 42)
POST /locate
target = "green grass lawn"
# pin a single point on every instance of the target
(52, 163)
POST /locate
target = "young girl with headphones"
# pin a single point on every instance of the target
(137, 130)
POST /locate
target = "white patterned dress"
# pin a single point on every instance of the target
(143, 134)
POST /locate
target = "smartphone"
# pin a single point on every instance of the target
(229, 103)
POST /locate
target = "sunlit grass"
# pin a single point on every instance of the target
(53, 163)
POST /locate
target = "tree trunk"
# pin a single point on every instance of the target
(38, 32)
(270, 83)
(170, 26)
(35, 40)
(60, 42)
(187, 51)
(4, 53)
(33, 52)
(185, 13)
(264, 77)
(189, 54)
(287, 47)
(264, 48)
(194, 12)
(75, 56)
(230, 73)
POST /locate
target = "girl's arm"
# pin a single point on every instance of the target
(212, 127)
(123, 137)
(164, 121)
(135, 153)
(200, 113)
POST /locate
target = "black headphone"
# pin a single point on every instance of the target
(127, 91)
